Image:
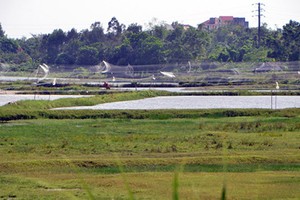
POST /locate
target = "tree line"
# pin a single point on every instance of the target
(159, 43)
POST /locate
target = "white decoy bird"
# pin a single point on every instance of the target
(153, 77)
(277, 86)
(168, 74)
(54, 82)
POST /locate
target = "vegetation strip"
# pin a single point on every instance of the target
(111, 167)
(35, 109)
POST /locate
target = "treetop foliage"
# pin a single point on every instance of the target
(161, 43)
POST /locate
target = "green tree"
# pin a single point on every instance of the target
(132, 45)
(8, 45)
(257, 55)
(196, 41)
(134, 28)
(69, 53)
(151, 51)
(224, 56)
(114, 27)
(160, 31)
(186, 45)
(32, 46)
(87, 56)
(160, 43)
(57, 38)
(52, 45)
(124, 53)
(94, 35)
(64, 58)
(274, 42)
(291, 40)
(2, 33)
(177, 51)
(72, 34)
(236, 41)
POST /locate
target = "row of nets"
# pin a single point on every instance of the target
(200, 72)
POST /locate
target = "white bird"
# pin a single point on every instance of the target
(277, 86)
(153, 77)
(113, 79)
(190, 67)
(54, 81)
(168, 74)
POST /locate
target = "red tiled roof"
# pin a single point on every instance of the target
(214, 23)
(206, 22)
(226, 18)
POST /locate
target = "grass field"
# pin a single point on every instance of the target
(249, 154)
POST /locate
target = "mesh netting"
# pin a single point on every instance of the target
(116, 71)
(201, 73)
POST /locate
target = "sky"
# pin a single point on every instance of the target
(22, 18)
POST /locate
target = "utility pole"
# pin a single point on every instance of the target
(258, 33)
(259, 10)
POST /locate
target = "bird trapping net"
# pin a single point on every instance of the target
(194, 73)
(116, 71)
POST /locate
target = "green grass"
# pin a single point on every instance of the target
(139, 158)
(162, 154)
(238, 168)
(97, 99)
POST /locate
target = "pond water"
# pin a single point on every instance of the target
(200, 102)
(10, 98)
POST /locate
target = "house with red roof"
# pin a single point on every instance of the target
(216, 22)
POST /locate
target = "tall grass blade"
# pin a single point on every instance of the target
(121, 169)
(85, 186)
(223, 197)
(175, 186)
(225, 165)
(122, 172)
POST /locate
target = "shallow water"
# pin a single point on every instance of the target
(10, 98)
(200, 102)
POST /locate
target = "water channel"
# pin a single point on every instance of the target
(11, 98)
(200, 102)
(174, 102)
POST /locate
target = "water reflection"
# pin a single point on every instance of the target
(198, 102)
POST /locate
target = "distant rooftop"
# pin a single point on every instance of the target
(217, 22)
